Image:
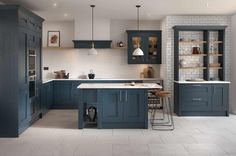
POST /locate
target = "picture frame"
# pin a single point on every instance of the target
(53, 39)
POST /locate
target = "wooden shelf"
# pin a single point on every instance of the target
(115, 47)
(58, 48)
(215, 42)
(215, 68)
(192, 42)
(215, 54)
(196, 68)
(192, 54)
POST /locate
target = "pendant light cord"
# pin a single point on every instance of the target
(92, 6)
(138, 6)
(138, 15)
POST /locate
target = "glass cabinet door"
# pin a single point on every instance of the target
(154, 49)
(137, 41)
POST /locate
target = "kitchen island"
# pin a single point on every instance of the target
(118, 105)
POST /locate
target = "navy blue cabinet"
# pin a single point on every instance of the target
(220, 97)
(112, 106)
(134, 106)
(149, 41)
(201, 99)
(196, 97)
(46, 97)
(62, 95)
(123, 108)
(20, 32)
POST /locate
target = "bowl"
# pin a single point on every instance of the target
(91, 76)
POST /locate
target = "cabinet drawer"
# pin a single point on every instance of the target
(196, 103)
(195, 90)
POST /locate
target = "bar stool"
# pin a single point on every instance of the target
(165, 122)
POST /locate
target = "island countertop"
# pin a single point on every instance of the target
(105, 79)
(119, 86)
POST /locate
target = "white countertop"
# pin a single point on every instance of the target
(202, 82)
(119, 86)
(105, 79)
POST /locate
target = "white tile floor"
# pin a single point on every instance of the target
(57, 135)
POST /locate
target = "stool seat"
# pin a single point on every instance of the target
(163, 94)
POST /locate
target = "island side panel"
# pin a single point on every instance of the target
(81, 109)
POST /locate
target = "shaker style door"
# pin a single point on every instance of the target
(134, 106)
(112, 106)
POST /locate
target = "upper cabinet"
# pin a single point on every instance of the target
(149, 42)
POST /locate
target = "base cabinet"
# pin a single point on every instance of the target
(123, 109)
(46, 97)
(62, 95)
(201, 99)
(220, 97)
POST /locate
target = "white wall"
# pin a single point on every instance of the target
(233, 69)
(83, 29)
(109, 63)
(66, 32)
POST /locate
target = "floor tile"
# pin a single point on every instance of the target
(204, 149)
(57, 135)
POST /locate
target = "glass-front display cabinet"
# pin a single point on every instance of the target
(149, 42)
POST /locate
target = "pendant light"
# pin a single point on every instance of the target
(138, 51)
(92, 51)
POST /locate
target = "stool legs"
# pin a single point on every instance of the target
(160, 123)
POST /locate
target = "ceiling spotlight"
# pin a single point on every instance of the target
(54, 4)
(65, 14)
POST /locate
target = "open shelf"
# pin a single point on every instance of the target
(192, 54)
(216, 54)
(215, 42)
(192, 42)
(216, 68)
(196, 68)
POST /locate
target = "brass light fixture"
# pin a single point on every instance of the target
(138, 51)
(92, 51)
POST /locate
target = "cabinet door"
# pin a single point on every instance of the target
(134, 106)
(153, 43)
(112, 106)
(134, 40)
(219, 97)
(196, 97)
(62, 95)
(24, 105)
(46, 97)
(75, 96)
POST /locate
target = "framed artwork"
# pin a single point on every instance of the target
(53, 38)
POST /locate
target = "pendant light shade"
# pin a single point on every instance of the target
(92, 51)
(138, 51)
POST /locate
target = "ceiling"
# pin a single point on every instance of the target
(55, 10)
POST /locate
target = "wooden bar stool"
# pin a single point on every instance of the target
(165, 122)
